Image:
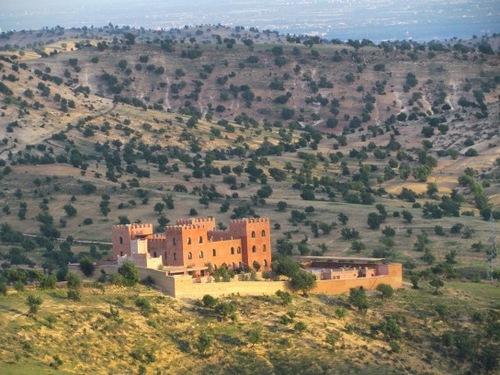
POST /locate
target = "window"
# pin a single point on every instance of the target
(265, 263)
(121, 240)
(238, 250)
(121, 253)
(263, 233)
(190, 256)
(200, 240)
(200, 255)
(173, 241)
(253, 234)
(189, 240)
(264, 248)
(165, 256)
(214, 252)
(175, 256)
(154, 254)
(254, 249)
(232, 251)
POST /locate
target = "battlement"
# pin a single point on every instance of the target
(158, 238)
(173, 228)
(183, 228)
(134, 226)
(201, 220)
(249, 221)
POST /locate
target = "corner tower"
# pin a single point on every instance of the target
(255, 235)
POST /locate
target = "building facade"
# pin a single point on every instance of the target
(191, 244)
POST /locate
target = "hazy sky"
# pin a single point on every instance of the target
(380, 19)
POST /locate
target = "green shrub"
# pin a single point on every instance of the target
(209, 301)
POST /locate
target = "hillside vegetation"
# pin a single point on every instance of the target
(114, 329)
(350, 148)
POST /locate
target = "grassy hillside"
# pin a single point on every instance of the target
(112, 329)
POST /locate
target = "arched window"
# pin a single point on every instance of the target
(238, 250)
(254, 249)
(200, 255)
(121, 253)
(173, 241)
(200, 240)
(265, 263)
(253, 234)
(154, 254)
(189, 240)
(263, 233)
(190, 256)
(175, 256)
(264, 248)
(121, 240)
(214, 252)
(232, 251)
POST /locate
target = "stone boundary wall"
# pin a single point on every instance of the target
(185, 287)
(343, 285)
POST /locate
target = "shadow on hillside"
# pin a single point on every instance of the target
(57, 296)
(10, 309)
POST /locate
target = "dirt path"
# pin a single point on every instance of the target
(167, 102)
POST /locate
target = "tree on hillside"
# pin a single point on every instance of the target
(374, 220)
(386, 290)
(70, 210)
(225, 310)
(437, 283)
(283, 265)
(302, 281)
(33, 304)
(357, 298)
(129, 38)
(129, 273)
(87, 266)
(343, 218)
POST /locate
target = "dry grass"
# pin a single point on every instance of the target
(86, 338)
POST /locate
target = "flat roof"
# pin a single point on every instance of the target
(339, 259)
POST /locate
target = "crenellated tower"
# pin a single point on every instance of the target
(255, 235)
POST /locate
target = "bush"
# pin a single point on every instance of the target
(74, 295)
(225, 310)
(357, 298)
(87, 266)
(73, 280)
(286, 298)
(203, 344)
(300, 327)
(129, 273)
(209, 301)
(33, 303)
(386, 290)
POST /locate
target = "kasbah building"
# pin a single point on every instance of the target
(188, 246)
(184, 253)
